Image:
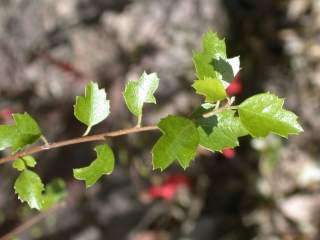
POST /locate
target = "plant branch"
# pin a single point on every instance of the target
(92, 138)
(216, 110)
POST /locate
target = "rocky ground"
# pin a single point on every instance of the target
(49, 50)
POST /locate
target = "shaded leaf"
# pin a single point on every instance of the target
(263, 113)
(178, 142)
(202, 109)
(103, 165)
(54, 193)
(220, 131)
(93, 107)
(139, 92)
(227, 68)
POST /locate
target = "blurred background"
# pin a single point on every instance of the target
(265, 189)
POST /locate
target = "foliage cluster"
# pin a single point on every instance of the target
(215, 125)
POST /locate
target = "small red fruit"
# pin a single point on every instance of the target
(235, 87)
(229, 153)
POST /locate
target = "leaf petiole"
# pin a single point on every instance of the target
(217, 110)
(87, 131)
(217, 105)
(139, 121)
(44, 140)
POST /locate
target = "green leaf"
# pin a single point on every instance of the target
(213, 48)
(26, 124)
(29, 161)
(139, 92)
(25, 131)
(220, 131)
(235, 65)
(227, 68)
(22, 163)
(211, 88)
(212, 62)
(55, 192)
(104, 164)
(29, 188)
(8, 134)
(178, 142)
(93, 107)
(263, 113)
(19, 164)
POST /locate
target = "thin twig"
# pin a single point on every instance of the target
(216, 110)
(92, 138)
(32, 221)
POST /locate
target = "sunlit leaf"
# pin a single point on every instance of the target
(93, 107)
(25, 131)
(220, 131)
(102, 165)
(212, 89)
(19, 164)
(213, 48)
(263, 114)
(212, 61)
(29, 161)
(178, 142)
(139, 92)
(22, 163)
(29, 188)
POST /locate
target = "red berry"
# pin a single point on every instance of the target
(229, 153)
(235, 87)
